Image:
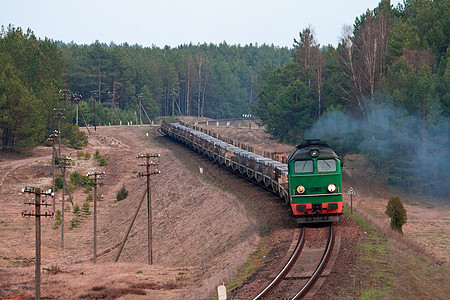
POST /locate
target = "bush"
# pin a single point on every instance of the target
(76, 209)
(122, 193)
(86, 209)
(101, 159)
(58, 182)
(75, 222)
(79, 180)
(83, 155)
(397, 212)
(90, 198)
(58, 220)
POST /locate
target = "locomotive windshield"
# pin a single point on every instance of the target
(326, 165)
(303, 166)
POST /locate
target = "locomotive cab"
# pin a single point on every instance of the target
(315, 183)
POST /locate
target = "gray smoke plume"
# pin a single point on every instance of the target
(414, 152)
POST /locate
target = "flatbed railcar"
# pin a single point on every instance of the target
(310, 182)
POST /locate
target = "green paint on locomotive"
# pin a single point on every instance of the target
(315, 180)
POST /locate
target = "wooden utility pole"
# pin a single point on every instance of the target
(65, 95)
(96, 176)
(149, 172)
(99, 92)
(52, 138)
(59, 115)
(140, 107)
(64, 162)
(37, 213)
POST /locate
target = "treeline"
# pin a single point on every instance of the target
(216, 81)
(31, 73)
(382, 92)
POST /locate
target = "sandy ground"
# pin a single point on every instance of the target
(182, 204)
(202, 233)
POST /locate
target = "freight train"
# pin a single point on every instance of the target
(310, 182)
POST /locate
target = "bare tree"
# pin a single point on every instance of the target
(352, 90)
(200, 58)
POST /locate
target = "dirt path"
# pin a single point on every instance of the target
(205, 225)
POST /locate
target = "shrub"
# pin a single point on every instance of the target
(122, 193)
(58, 182)
(75, 222)
(79, 180)
(76, 209)
(86, 209)
(90, 198)
(101, 159)
(397, 212)
(58, 221)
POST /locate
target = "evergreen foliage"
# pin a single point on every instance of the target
(397, 212)
(382, 92)
(122, 194)
(31, 74)
(385, 86)
(79, 180)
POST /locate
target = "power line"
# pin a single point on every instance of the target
(37, 213)
(95, 176)
(149, 172)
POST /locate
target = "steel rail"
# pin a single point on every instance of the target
(286, 268)
(323, 263)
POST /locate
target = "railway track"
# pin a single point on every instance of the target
(304, 267)
(291, 282)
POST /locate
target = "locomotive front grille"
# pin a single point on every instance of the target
(316, 206)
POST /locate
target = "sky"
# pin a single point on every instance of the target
(176, 22)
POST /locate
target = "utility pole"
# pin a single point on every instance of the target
(52, 138)
(99, 86)
(95, 95)
(64, 162)
(37, 213)
(96, 176)
(76, 99)
(113, 95)
(65, 95)
(59, 115)
(149, 172)
(140, 107)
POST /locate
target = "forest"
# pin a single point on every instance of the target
(382, 92)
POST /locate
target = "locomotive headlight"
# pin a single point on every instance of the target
(300, 189)
(314, 153)
(331, 187)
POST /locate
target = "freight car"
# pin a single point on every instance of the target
(310, 183)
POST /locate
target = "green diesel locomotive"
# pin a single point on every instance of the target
(315, 183)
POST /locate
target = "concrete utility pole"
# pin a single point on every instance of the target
(149, 172)
(64, 162)
(37, 213)
(96, 176)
